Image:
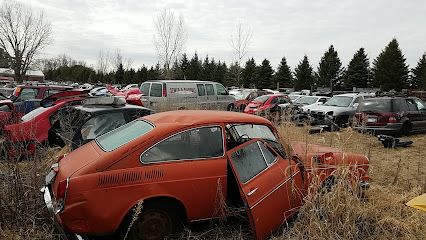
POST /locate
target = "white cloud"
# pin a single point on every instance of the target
(280, 28)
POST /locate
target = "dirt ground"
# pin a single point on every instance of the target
(397, 176)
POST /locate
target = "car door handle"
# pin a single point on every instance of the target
(251, 192)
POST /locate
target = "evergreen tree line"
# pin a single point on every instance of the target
(388, 71)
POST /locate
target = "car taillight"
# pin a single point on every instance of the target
(62, 189)
(61, 193)
(392, 119)
(164, 90)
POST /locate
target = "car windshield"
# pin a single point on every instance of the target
(262, 99)
(254, 131)
(33, 114)
(339, 101)
(123, 135)
(242, 95)
(307, 100)
(375, 105)
(293, 97)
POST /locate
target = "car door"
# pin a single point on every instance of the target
(210, 96)
(414, 114)
(223, 98)
(268, 184)
(202, 98)
(421, 107)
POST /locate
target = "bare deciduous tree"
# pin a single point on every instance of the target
(240, 42)
(108, 61)
(102, 63)
(170, 38)
(23, 33)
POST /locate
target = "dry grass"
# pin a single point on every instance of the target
(397, 176)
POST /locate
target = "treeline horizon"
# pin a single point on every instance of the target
(388, 71)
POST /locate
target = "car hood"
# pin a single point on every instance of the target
(325, 108)
(306, 152)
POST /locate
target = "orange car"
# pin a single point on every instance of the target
(181, 166)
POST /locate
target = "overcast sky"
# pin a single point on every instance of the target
(280, 28)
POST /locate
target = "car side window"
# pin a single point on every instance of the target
(420, 105)
(411, 105)
(199, 143)
(221, 90)
(209, 89)
(145, 88)
(274, 101)
(201, 90)
(156, 90)
(101, 124)
(322, 100)
(251, 160)
(357, 100)
(282, 100)
(28, 93)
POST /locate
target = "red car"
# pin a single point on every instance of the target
(246, 96)
(265, 103)
(132, 95)
(145, 178)
(27, 92)
(22, 138)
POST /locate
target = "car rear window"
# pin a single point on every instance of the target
(262, 99)
(123, 135)
(376, 105)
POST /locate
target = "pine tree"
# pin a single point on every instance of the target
(358, 72)
(119, 74)
(231, 75)
(194, 68)
(389, 69)
(248, 74)
(264, 75)
(283, 75)
(303, 73)
(330, 69)
(418, 78)
(220, 72)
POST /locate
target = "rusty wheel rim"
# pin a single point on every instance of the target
(152, 225)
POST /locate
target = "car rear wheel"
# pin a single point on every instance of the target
(154, 223)
(405, 129)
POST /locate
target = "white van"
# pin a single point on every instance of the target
(185, 94)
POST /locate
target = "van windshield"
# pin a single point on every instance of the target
(123, 135)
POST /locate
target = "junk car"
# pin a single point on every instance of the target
(38, 91)
(177, 166)
(244, 97)
(271, 103)
(338, 110)
(22, 138)
(396, 116)
(77, 125)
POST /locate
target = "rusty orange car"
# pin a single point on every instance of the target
(178, 165)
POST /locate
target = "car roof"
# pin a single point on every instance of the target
(44, 86)
(354, 94)
(106, 108)
(181, 118)
(178, 81)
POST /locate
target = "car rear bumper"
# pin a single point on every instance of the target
(48, 200)
(389, 129)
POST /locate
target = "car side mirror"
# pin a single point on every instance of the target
(355, 105)
(320, 103)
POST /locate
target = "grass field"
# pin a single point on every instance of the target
(397, 176)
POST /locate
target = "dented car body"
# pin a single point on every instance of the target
(181, 166)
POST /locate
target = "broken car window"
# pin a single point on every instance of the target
(196, 143)
(101, 124)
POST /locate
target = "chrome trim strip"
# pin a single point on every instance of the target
(275, 189)
(180, 160)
